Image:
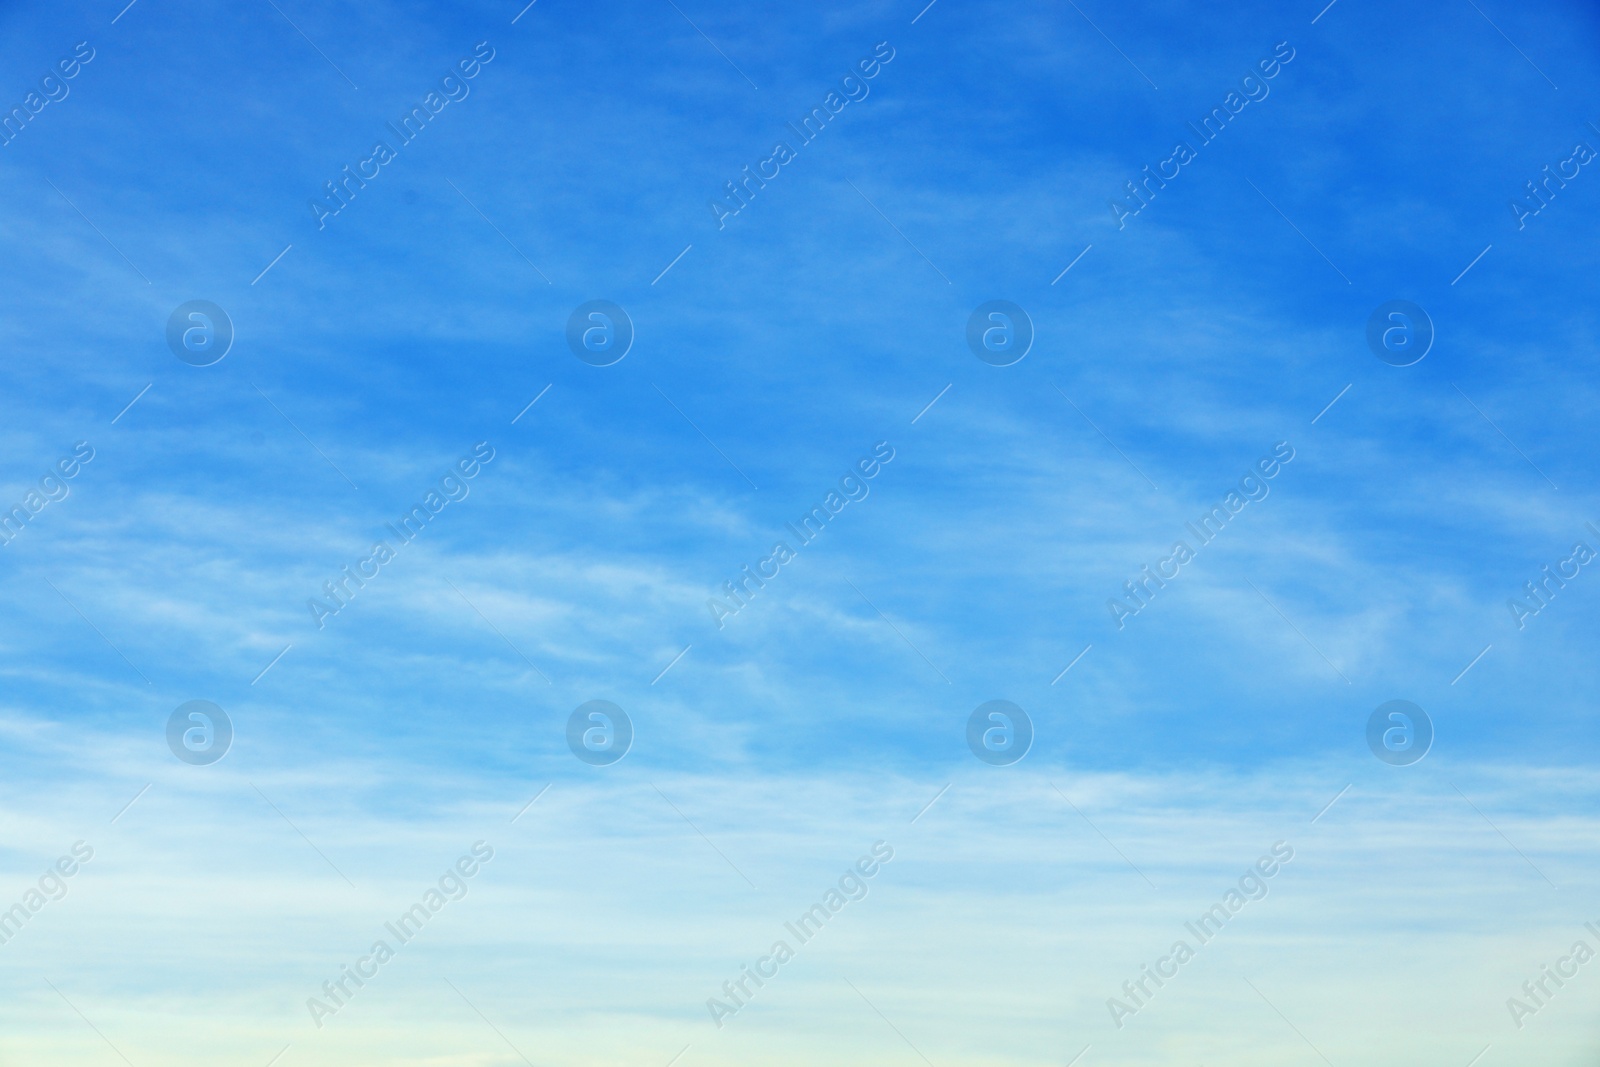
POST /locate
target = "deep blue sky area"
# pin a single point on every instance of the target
(774, 348)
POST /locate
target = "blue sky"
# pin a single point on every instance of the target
(770, 355)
